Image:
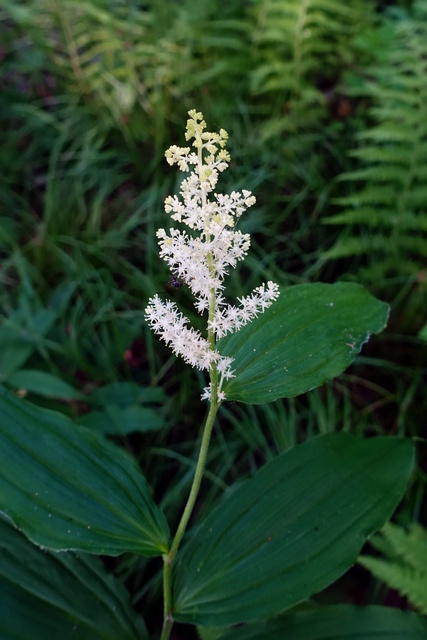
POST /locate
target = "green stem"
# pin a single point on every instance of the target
(169, 558)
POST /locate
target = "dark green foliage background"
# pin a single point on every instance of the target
(325, 105)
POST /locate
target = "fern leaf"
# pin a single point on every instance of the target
(408, 581)
(410, 545)
(404, 566)
(392, 157)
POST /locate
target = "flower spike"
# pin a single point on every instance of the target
(201, 259)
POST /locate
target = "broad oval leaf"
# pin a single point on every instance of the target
(121, 412)
(45, 384)
(68, 488)
(121, 420)
(310, 334)
(60, 595)
(291, 530)
(340, 622)
(126, 393)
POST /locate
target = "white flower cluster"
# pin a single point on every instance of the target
(202, 261)
(228, 318)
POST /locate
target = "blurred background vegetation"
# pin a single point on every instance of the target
(325, 103)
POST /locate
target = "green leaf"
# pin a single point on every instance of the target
(44, 383)
(205, 633)
(340, 622)
(68, 488)
(403, 566)
(291, 530)
(310, 334)
(20, 335)
(59, 595)
(116, 420)
(126, 393)
(121, 412)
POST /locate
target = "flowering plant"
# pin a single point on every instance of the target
(271, 542)
(201, 262)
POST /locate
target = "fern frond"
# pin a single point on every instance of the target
(404, 566)
(373, 217)
(408, 581)
(348, 247)
(372, 154)
(297, 41)
(381, 173)
(373, 194)
(392, 156)
(390, 132)
(410, 545)
(127, 63)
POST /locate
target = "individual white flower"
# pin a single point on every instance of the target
(202, 261)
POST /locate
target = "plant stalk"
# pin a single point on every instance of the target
(169, 558)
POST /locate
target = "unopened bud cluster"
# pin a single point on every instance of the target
(201, 259)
